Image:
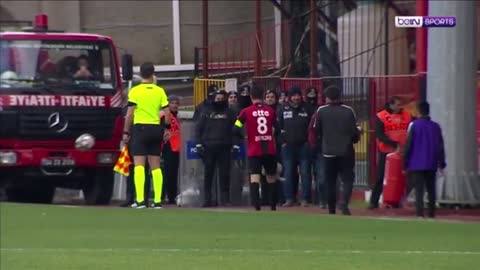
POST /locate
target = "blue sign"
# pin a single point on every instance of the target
(192, 151)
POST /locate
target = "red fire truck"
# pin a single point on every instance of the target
(54, 87)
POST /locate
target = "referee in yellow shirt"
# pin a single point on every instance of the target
(144, 104)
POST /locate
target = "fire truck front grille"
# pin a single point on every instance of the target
(66, 123)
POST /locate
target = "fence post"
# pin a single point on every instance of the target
(195, 62)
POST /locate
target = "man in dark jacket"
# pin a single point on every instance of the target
(337, 131)
(424, 155)
(293, 119)
(205, 105)
(214, 135)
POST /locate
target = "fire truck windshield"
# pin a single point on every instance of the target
(61, 67)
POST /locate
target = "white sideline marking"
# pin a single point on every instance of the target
(175, 250)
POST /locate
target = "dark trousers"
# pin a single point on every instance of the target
(378, 187)
(343, 167)
(420, 180)
(217, 157)
(170, 173)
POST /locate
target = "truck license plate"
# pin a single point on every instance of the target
(58, 162)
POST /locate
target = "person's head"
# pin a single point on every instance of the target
(83, 61)
(424, 108)
(232, 98)
(244, 90)
(312, 96)
(295, 95)
(271, 98)
(395, 104)
(282, 97)
(211, 89)
(332, 94)
(173, 103)
(147, 70)
(256, 93)
(244, 99)
(220, 100)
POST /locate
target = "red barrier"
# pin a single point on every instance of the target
(395, 181)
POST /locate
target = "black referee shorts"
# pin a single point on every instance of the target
(146, 140)
(268, 162)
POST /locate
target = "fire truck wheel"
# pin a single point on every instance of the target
(98, 189)
(38, 194)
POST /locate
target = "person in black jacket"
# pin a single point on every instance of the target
(293, 119)
(244, 99)
(205, 105)
(337, 131)
(214, 133)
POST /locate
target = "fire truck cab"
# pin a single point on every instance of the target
(55, 87)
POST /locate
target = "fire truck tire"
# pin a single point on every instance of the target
(38, 194)
(98, 189)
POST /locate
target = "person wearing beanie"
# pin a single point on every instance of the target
(205, 105)
(293, 119)
(215, 143)
(171, 152)
(244, 99)
(337, 131)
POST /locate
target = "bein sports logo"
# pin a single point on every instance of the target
(424, 21)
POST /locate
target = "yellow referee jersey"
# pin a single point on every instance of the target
(148, 99)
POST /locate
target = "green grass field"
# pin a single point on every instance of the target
(58, 238)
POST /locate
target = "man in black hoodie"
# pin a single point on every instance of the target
(214, 135)
(244, 99)
(205, 105)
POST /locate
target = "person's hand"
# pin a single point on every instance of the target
(166, 136)
(235, 149)
(126, 138)
(398, 149)
(359, 128)
(200, 149)
(441, 172)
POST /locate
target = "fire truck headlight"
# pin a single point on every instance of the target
(105, 158)
(8, 158)
(85, 142)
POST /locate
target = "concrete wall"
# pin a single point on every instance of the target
(227, 19)
(144, 28)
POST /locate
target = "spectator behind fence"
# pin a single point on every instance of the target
(293, 119)
(233, 102)
(282, 97)
(244, 99)
(171, 152)
(206, 104)
(391, 131)
(316, 156)
(424, 155)
(214, 133)
(144, 104)
(337, 131)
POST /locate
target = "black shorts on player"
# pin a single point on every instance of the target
(268, 162)
(146, 140)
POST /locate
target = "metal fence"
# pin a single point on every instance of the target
(200, 88)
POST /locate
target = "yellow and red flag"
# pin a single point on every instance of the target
(122, 166)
